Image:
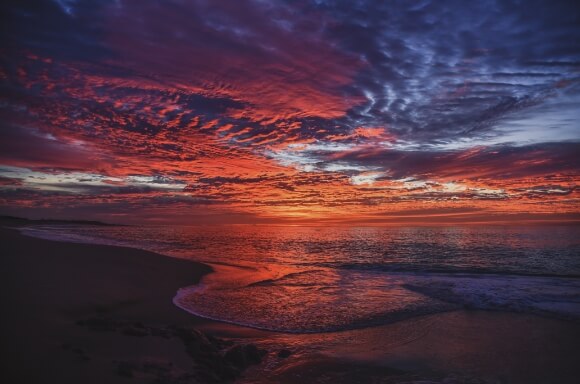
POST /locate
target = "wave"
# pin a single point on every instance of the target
(57, 234)
(284, 278)
(550, 297)
(308, 302)
(280, 323)
(398, 267)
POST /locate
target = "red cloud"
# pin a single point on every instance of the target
(291, 74)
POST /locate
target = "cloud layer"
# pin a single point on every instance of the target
(281, 111)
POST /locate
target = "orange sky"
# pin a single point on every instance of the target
(242, 113)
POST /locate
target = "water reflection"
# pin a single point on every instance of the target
(321, 279)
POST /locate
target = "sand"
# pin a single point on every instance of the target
(52, 293)
(453, 347)
(48, 287)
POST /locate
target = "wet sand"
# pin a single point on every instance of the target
(52, 293)
(454, 347)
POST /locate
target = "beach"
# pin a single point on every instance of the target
(83, 313)
(310, 192)
(78, 313)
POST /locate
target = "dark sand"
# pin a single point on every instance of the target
(453, 347)
(47, 287)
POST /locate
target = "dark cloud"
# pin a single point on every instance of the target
(430, 63)
(297, 102)
(495, 162)
(43, 27)
(10, 181)
(26, 147)
(434, 71)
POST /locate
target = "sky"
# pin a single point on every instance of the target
(291, 112)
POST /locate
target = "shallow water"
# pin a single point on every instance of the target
(308, 280)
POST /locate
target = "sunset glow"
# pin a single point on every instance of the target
(197, 112)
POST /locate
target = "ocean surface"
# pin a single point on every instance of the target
(313, 279)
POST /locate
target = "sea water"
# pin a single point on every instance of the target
(313, 279)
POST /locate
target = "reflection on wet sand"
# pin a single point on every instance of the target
(454, 347)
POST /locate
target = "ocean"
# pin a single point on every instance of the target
(322, 279)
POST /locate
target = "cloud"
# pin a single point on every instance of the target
(291, 110)
(25, 147)
(494, 162)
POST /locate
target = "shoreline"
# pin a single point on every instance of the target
(186, 272)
(101, 313)
(91, 313)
